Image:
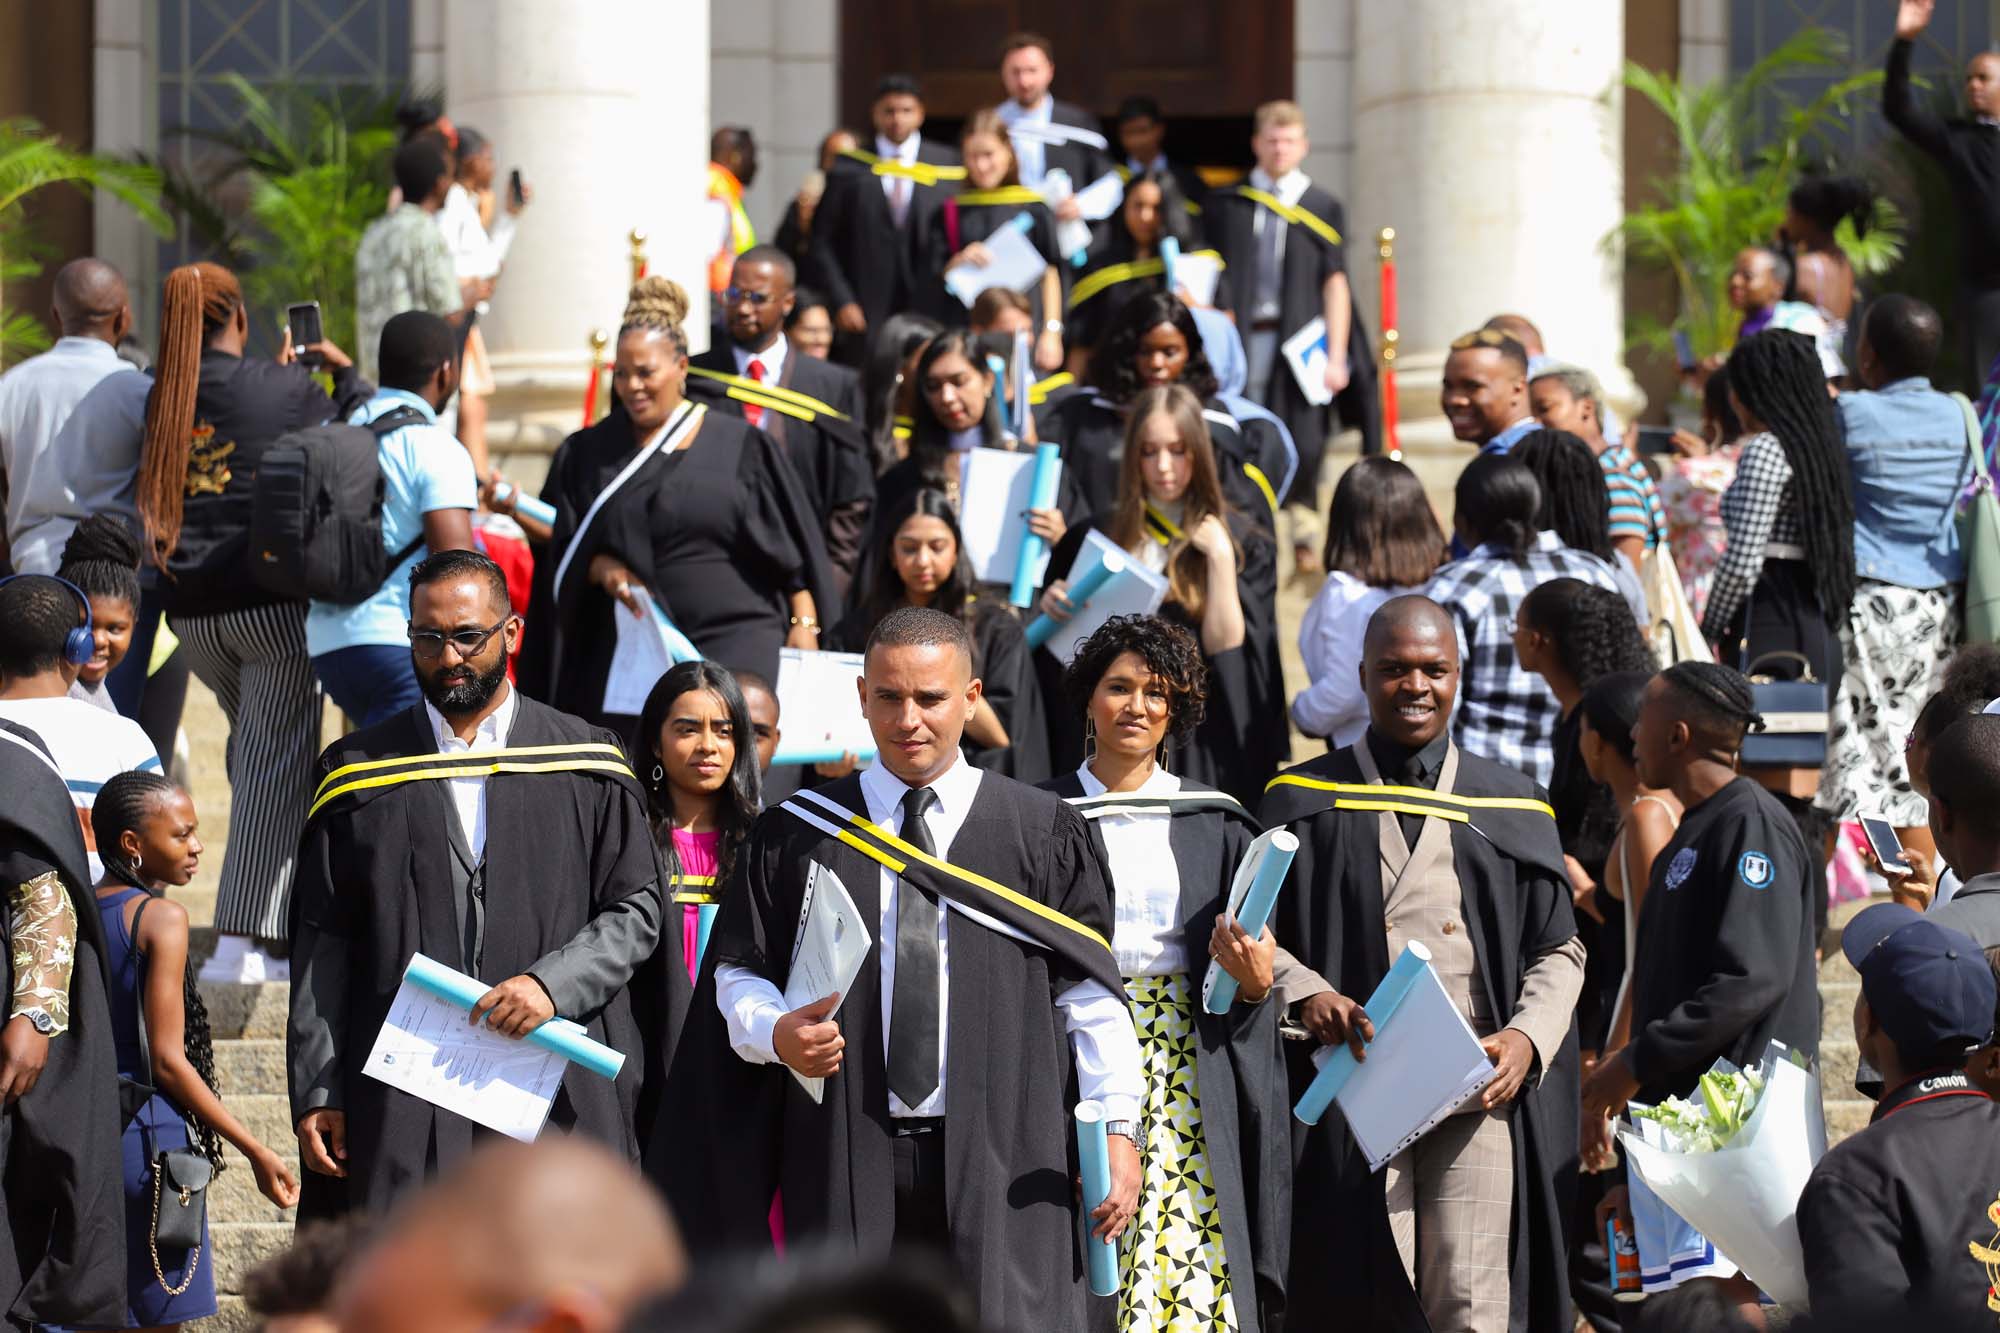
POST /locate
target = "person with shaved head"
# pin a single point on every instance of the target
(1406, 839)
(69, 451)
(559, 1234)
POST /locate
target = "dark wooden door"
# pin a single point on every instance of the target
(1204, 60)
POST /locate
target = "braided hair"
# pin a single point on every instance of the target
(1718, 696)
(102, 558)
(126, 802)
(197, 303)
(1777, 377)
(1576, 504)
(1591, 629)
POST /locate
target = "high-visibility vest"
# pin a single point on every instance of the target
(723, 185)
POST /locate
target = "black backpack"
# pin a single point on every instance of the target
(316, 512)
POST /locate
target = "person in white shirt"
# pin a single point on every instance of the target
(1049, 135)
(1383, 541)
(988, 987)
(69, 450)
(478, 250)
(45, 640)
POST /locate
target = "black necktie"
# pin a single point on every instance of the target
(1412, 776)
(913, 1006)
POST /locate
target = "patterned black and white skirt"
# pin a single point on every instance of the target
(1897, 641)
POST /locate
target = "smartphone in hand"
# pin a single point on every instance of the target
(1888, 847)
(515, 194)
(303, 319)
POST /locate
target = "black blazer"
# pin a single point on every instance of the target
(858, 254)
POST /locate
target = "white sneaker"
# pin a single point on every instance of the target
(238, 961)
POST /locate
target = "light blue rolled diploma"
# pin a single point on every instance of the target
(1041, 495)
(1093, 1154)
(1045, 626)
(788, 753)
(1340, 1064)
(1021, 378)
(527, 506)
(1219, 990)
(704, 923)
(1170, 258)
(680, 648)
(565, 1038)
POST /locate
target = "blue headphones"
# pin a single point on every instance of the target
(80, 644)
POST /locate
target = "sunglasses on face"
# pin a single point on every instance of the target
(469, 642)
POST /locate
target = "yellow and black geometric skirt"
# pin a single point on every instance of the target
(1175, 1277)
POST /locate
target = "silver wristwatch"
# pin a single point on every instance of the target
(1126, 1129)
(44, 1022)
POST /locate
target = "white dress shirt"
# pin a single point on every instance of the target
(69, 445)
(1108, 1063)
(773, 358)
(1330, 635)
(905, 153)
(1146, 931)
(476, 250)
(1030, 158)
(468, 795)
(1288, 188)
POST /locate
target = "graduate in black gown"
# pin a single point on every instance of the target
(1465, 853)
(1217, 1158)
(1124, 261)
(1153, 340)
(956, 233)
(987, 1003)
(917, 562)
(62, 1197)
(543, 883)
(1285, 240)
(1171, 516)
(812, 408)
(664, 499)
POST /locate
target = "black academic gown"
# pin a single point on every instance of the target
(720, 533)
(62, 1226)
(975, 218)
(1346, 1271)
(1010, 1085)
(1239, 1066)
(1106, 285)
(825, 443)
(1309, 261)
(1084, 162)
(1243, 735)
(1091, 430)
(859, 255)
(1005, 667)
(375, 872)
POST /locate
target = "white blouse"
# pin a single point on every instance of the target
(1330, 642)
(1145, 881)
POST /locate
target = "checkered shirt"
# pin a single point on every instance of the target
(1757, 509)
(1504, 713)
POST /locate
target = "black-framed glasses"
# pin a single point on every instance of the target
(469, 642)
(735, 294)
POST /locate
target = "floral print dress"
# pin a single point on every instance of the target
(1691, 489)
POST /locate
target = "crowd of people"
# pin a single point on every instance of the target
(1592, 740)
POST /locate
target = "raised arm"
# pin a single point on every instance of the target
(1899, 101)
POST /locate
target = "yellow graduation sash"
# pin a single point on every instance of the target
(775, 396)
(371, 774)
(1312, 222)
(923, 173)
(1112, 274)
(700, 890)
(1408, 800)
(1161, 528)
(1263, 483)
(1039, 391)
(1000, 194)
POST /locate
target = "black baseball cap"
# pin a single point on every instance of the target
(1929, 986)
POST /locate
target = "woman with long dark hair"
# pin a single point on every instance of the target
(1125, 261)
(146, 836)
(665, 503)
(1576, 505)
(888, 384)
(1786, 578)
(213, 412)
(1692, 486)
(1172, 517)
(1153, 341)
(1382, 541)
(1208, 1246)
(917, 560)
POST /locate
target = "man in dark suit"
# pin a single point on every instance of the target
(1047, 134)
(807, 405)
(874, 209)
(1142, 140)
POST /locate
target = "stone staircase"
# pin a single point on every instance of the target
(1839, 984)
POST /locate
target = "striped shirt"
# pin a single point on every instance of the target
(1636, 510)
(90, 747)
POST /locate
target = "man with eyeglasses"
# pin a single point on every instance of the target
(493, 834)
(808, 406)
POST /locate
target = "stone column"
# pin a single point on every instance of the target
(604, 108)
(1492, 143)
(771, 67)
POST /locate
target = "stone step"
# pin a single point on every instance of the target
(241, 1246)
(267, 1115)
(234, 1197)
(1846, 1117)
(254, 1012)
(231, 1316)
(247, 1065)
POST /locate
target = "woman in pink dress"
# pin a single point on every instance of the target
(1691, 488)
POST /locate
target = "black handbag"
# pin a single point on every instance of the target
(180, 1175)
(1793, 733)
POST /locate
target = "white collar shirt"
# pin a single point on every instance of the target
(1145, 880)
(468, 795)
(904, 153)
(1030, 156)
(773, 358)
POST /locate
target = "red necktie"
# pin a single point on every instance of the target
(752, 413)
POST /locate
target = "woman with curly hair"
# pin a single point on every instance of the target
(146, 835)
(1221, 571)
(1214, 1151)
(665, 505)
(1150, 343)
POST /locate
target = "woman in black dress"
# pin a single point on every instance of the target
(957, 233)
(665, 501)
(1153, 341)
(1125, 261)
(1222, 583)
(915, 562)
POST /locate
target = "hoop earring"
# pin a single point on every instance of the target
(659, 774)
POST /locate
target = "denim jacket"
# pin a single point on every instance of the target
(1907, 455)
